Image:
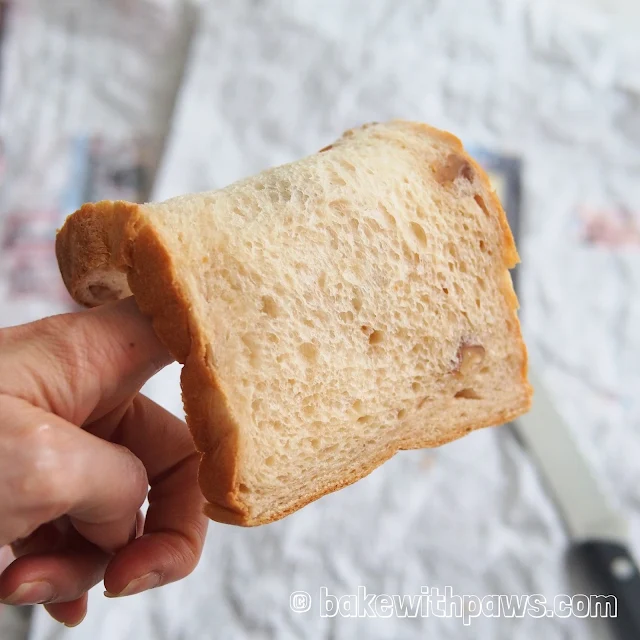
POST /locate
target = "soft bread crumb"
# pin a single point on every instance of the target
(330, 312)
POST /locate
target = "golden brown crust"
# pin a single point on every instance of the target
(84, 246)
(117, 237)
(221, 514)
(87, 244)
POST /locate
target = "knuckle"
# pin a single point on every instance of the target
(67, 341)
(183, 552)
(48, 475)
(49, 362)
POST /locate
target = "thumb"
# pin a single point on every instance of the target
(81, 365)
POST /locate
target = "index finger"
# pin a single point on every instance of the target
(175, 526)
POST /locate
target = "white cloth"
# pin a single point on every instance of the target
(270, 81)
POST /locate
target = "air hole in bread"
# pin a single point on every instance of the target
(337, 179)
(482, 245)
(445, 291)
(419, 233)
(322, 315)
(322, 281)
(340, 205)
(309, 351)
(357, 406)
(269, 306)
(365, 419)
(259, 186)
(454, 167)
(347, 165)
(357, 303)
(270, 461)
(466, 172)
(387, 216)
(469, 394)
(480, 202)
(346, 316)
(401, 414)
(335, 244)
(415, 387)
(374, 226)
(242, 488)
(316, 443)
(376, 337)
(252, 345)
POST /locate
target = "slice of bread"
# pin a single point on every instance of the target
(328, 313)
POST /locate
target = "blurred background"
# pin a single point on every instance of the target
(146, 99)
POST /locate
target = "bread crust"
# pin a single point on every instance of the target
(105, 236)
(117, 237)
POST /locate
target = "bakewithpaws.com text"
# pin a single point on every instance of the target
(444, 603)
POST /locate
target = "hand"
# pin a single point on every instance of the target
(79, 448)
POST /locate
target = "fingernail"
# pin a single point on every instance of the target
(31, 593)
(75, 624)
(146, 582)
